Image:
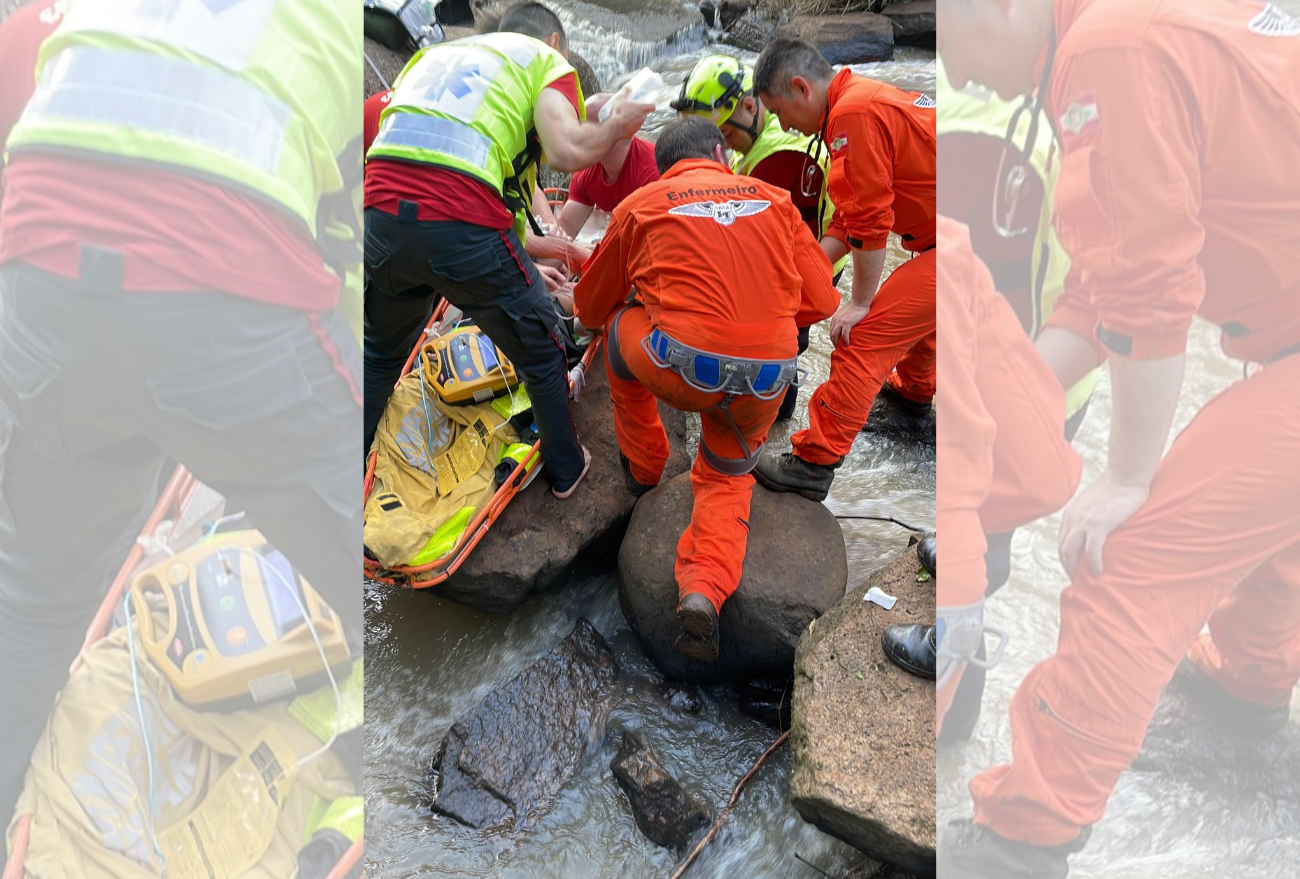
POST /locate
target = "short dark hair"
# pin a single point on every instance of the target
(690, 137)
(533, 20)
(587, 77)
(787, 57)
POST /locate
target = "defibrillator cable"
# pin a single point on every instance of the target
(144, 731)
(320, 648)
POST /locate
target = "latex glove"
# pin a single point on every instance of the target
(844, 320)
(578, 382)
(555, 278)
(1092, 517)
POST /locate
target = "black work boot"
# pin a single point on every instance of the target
(789, 472)
(971, 851)
(638, 488)
(699, 621)
(1228, 710)
(896, 397)
(926, 554)
(911, 647)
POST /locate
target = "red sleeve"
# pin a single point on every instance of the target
(567, 85)
(1128, 198)
(21, 35)
(580, 186)
(371, 111)
(862, 177)
(785, 169)
(605, 284)
(646, 170)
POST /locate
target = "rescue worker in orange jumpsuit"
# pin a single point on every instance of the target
(1177, 196)
(724, 271)
(882, 179)
(1005, 459)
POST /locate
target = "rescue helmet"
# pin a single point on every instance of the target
(714, 88)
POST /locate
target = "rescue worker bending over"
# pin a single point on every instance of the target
(720, 89)
(725, 271)
(882, 179)
(448, 182)
(1168, 206)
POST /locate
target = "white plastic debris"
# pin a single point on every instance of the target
(878, 596)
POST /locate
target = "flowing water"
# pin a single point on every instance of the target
(429, 661)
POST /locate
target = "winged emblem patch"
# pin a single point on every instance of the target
(724, 213)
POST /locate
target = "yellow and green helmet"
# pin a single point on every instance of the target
(714, 88)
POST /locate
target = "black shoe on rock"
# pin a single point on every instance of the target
(788, 472)
(911, 646)
(699, 621)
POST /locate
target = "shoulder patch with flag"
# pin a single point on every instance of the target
(925, 102)
(1080, 117)
(840, 142)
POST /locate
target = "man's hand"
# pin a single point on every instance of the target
(844, 320)
(1093, 516)
(627, 117)
(555, 278)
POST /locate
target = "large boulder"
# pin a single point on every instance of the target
(751, 32)
(913, 20)
(522, 744)
(536, 540)
(862, 737)
(852, 38)
(795, 570)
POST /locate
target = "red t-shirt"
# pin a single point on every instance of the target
(590, 187)
(177, 232)
(370, 111)
(21, 35)
(440, 194)
(785, 169)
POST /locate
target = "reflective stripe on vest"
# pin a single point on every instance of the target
(86, 84)
(437, 134)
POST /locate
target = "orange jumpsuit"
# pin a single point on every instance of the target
(724, 264)
(1178, 194)
(882, 179)
(1004, 457)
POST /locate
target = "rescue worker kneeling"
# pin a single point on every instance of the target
(723, 270)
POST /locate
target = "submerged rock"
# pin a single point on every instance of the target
(664, 811)
(854, 38)
(891, 421)
(862, 736)
(536, 540)
(766, 700)
(524, 742)
(795, 570)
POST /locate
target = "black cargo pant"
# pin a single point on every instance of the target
(486, 274)
(100, 391)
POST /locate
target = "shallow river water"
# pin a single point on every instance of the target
(429, 661)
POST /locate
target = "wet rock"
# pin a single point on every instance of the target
(751, 32)
(854, 38)
(664, 811)
(536, 540)
(913, 21)
(795, 570)
(524, 742)
(892, 421)
(766, 700)
(723, 14)
(862, 736)
(455, 12)
(1194, 739)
